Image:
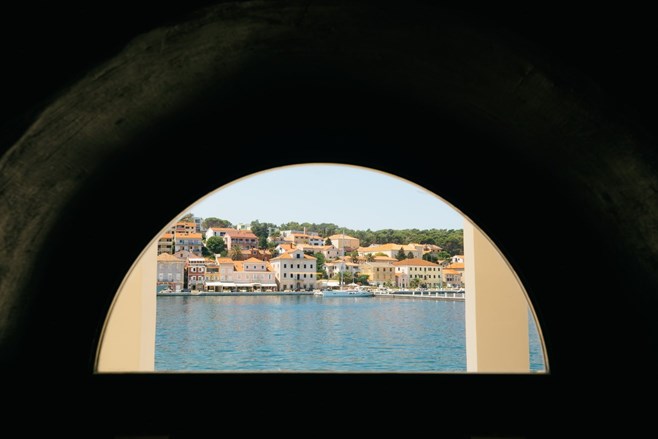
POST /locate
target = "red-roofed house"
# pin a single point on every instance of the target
(188, 241)
(245, 239)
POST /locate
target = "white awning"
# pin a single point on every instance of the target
(220, 284)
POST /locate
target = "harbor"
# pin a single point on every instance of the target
(388, 293)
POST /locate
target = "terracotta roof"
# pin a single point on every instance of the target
(384, 259)
(166, 257)
(386, 247)
(224, 260)
(241, 234)
(239, 265)
(188, 235)
(415, 262)
(287, 255)
(456, 265)
(167, 236)
(341, 236)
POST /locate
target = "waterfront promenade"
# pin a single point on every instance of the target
(429, 294)
(404, 294)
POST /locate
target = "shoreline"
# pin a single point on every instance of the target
(441, 295)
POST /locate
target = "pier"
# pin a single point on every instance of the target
(429, 294)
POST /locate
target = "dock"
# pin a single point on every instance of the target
(430, 294)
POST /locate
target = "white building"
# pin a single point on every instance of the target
(218, 231)
(428, 274)
(295, 271)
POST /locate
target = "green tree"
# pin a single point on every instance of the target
(354, 255)
(262, 231)
(236, 253)
(410, 255)
(370, 257)
(400, 256)
(188, 217)
(320, 260)
(211, 221)
(414, 283)
(216, 244)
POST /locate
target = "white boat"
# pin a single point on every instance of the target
(345, 293)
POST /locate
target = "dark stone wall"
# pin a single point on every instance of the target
(538, 137)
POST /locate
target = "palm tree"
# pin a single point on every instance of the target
(236, 253)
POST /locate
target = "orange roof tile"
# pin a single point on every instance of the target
(415, 261)
(166, 257)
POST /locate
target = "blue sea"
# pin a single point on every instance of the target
(306, 333)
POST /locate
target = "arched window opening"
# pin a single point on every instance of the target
(321, 268)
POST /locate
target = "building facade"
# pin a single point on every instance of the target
(295, 271)
(171, 272)
(166, 243)
(191, 242)
(196, 274)
(344, 242)
(412, 273)
(379, 273)
(245, 239)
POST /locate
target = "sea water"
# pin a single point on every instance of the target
(308, 333)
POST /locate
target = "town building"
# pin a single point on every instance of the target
(166, 243)
(191, 242)
(416, 272)
(392, 250)
(245, 239)
(379, 272)
(453, 274)
(344, 242)
(171, 272)
(184, 227)
(341, 266)
(218, 231)
(196, 273)
(295, 271)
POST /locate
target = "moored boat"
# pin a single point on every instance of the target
(356, 292)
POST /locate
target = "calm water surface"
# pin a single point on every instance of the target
(314, 333)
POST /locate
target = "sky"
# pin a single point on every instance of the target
(349, 196)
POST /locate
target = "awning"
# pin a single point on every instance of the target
(220, 284)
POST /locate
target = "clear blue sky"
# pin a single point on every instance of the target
(348, 196)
